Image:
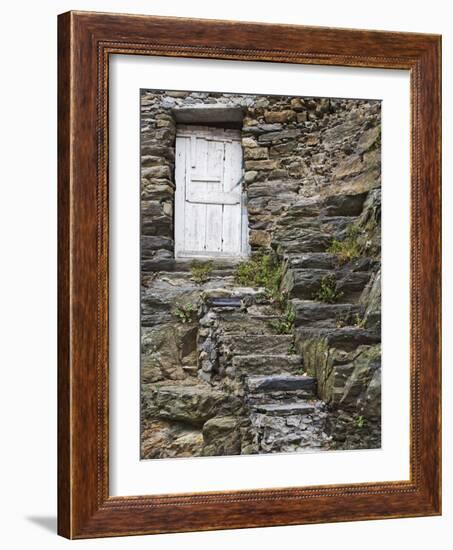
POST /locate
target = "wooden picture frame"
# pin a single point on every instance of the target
(85, 41)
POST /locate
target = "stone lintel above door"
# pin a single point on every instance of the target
(226, 115)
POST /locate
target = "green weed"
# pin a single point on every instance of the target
(292, 349)
(200, 272)
(328, 292)
(348, 320)
(360, 422)
(285, 324)
(262, 270)
(186, 313)
(349, 248)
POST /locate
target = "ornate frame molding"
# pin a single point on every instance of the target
(86, 40)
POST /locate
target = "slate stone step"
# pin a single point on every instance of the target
(234, 322)
(170, 264)
(325, 260)
(279, 382)
(311, 260)
(287, 409)
(305, 283)
(226, 301)
(267, 364)
(253, 327)
(279, 398)
(263, 344)
(309, 313)
(220, 297)
(333, 205)
(346, 339)
(308, 241)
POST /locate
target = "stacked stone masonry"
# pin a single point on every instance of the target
(216, 376)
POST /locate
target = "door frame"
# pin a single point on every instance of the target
(180, 198)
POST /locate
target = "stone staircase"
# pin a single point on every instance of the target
(283, 413)
(242, 387)
(338, 338)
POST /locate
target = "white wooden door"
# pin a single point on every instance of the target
(210, 217)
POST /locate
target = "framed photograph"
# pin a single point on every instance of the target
(233, 197)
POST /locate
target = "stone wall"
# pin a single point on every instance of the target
(217, 378)
(293, 148)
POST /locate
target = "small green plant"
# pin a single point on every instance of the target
(360, 422)
(349, 248)
(200, 272)
(292, 349)
(186, 313)
(342, 321)
(359, 321)
(350, 320)
(262, 270)
(328, 292)
(285, 324)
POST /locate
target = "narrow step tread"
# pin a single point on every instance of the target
(281, 382)
(260, 344)
(346, 338)
(269, 364)
(286, 409)
(319, 314)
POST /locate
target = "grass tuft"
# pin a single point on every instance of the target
(285, 324)
(201, 271)
(262, 270)
(327, 291)
(349, 248)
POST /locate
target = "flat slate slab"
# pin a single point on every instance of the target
(243, 344)
(346, 338)
(312, 313)
(281, 383)
(232, 301)
(312, 260)
(286, 409)
(254, 364)
(305, 283)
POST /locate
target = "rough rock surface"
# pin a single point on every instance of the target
(216, 376)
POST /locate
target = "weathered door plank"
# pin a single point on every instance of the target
(209, 211)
